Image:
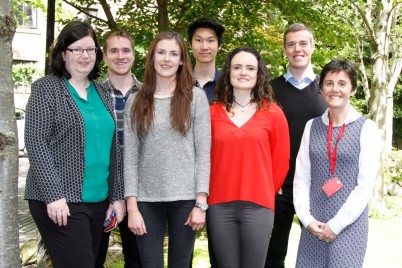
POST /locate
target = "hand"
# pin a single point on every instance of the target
(119, 207)
(196, 219)
(136, 223)
(315, 228)
(327, 234)
(58, 211)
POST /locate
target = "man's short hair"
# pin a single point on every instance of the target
(209, 24)
(296, 27)
(119, 33)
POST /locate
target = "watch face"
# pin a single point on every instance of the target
(202, 206)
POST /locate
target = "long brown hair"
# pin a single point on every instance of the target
(261, 92)
(142, 112)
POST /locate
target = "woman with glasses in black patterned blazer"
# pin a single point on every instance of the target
(75, 166)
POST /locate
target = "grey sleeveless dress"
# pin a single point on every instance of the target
(348, 249)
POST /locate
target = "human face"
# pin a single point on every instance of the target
(337, 90)
(80, 65)
(205, 45)
(119, 55)
(243, 71)
(167, 58)
(299, 48)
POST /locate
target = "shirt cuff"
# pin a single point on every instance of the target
(335, 226)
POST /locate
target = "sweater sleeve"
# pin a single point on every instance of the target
(130, 152)
(302, 179)
(280, 149)
(368, 167)
(202, 141)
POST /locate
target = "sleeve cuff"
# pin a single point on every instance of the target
(335, 226)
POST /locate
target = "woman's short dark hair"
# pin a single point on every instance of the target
(71, 33)
(337, 66)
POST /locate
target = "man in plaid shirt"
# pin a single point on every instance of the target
(118, 54)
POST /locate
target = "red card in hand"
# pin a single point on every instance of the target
(331, 186)
(110, 223)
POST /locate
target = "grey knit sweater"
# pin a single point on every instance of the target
(164, 165)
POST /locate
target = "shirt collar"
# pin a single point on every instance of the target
(107, 84)
(197, 84)
(352, 116)
(310, 75)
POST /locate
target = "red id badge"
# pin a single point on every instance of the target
(331, 186)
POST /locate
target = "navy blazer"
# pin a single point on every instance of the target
(55, 142)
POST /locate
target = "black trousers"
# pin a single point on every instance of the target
(76, 244)
(278, 246)
(157, 217)
(129, 244)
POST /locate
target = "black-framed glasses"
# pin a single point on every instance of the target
(79, 51)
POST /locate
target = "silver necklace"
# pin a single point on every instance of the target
(242, 107)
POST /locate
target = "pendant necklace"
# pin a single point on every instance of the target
(242, 107)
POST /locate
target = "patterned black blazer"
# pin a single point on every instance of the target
(55, 142)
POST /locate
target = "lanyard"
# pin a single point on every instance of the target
(332, 155)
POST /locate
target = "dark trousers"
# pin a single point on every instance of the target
(129, 245)
(240, 233)
(76, 244)
(156, 216)
(278, 246)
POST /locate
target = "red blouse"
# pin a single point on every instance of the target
(248, 163)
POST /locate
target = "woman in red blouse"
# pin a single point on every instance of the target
(249, 161)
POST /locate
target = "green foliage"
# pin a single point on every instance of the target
(25, 74)
(390, 208)
(397, 124)
(393, 167)
(338, 32)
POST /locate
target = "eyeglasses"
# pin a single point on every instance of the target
(80, 51)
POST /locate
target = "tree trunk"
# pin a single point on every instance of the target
(163, 18)
(9, 249)
(378, 111)
(384, 70)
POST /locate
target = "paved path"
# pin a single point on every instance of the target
(26, 225)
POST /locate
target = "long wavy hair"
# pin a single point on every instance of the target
(142, 112)
(261, 92)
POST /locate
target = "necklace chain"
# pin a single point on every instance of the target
(242, 107)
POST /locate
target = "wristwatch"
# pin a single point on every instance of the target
(202, 206)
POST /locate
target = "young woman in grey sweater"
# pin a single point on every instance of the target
(167, 155)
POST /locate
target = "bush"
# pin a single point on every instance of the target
(25, 74)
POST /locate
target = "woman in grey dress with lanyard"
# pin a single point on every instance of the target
(336, 169)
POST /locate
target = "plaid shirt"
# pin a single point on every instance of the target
(119, 102)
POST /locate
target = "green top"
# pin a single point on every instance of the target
(99, 130)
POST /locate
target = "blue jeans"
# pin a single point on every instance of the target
(240, 233)
(157, 216)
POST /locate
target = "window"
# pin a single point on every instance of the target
(27, 16)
